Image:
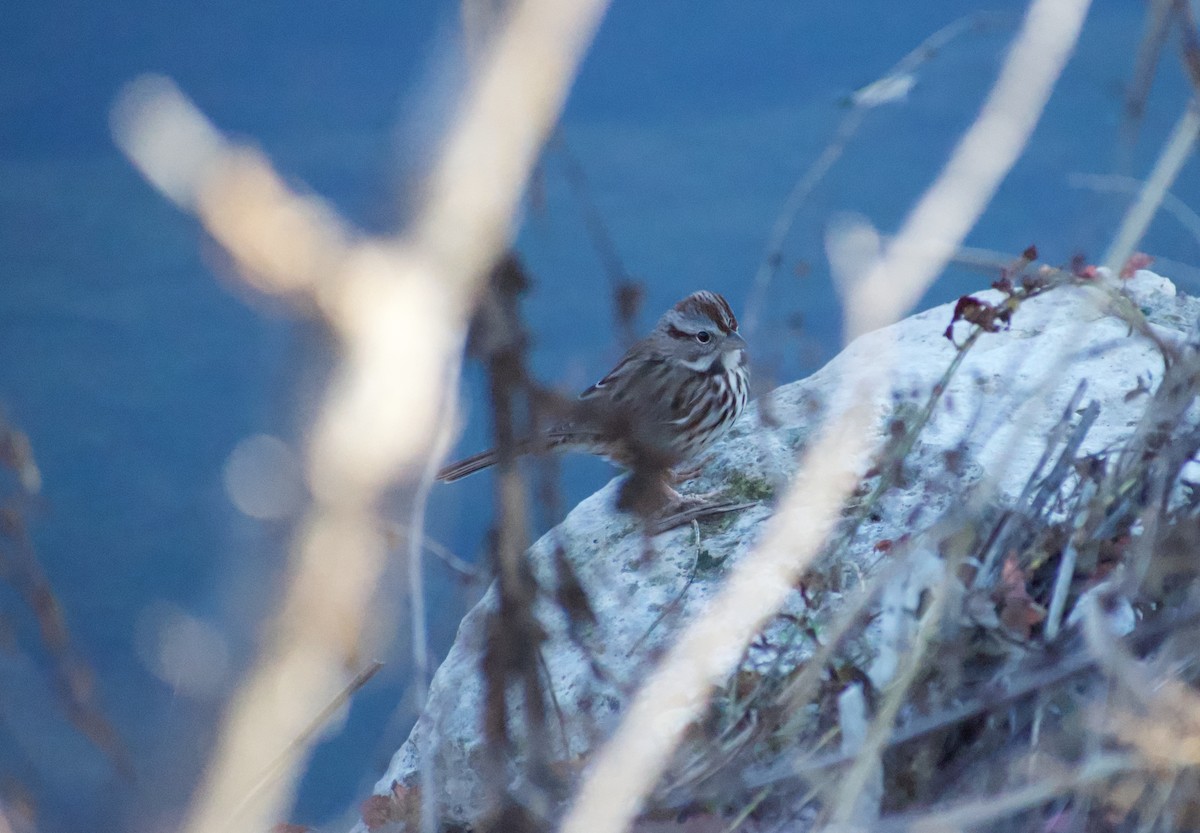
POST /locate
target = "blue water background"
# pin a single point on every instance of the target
(136, 364)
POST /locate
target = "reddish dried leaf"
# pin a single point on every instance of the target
(379, 811)
(1020, 616)
(1038, 280)
(568, 770)
(1018, 611)
(1012, 579)
(1078, 263)
(980, 313)
(1138, 260)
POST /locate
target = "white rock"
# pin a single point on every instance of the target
(996, 413)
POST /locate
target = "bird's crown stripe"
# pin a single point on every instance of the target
(713, 306)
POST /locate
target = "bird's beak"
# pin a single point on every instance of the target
(736, 342)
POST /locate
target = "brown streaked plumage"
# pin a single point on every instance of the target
(669, 397)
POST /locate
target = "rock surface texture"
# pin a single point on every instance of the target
(985, 436)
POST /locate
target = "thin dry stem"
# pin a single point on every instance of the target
(1158, 23)
(972, 813)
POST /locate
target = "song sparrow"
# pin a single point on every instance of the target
(669, 397)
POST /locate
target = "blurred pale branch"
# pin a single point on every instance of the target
(1176, 152)
(628, 767)
(1117, 184)
(400, 308)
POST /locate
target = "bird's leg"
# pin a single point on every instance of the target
(691, 508)
(682, 474)
(676, 510)
(650, 493)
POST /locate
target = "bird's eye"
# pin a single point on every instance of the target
(703, 337)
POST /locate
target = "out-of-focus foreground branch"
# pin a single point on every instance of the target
(400, 308)
(629, 766)
(21, 569)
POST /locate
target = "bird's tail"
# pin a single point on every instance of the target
(468, 466)
(565, 438)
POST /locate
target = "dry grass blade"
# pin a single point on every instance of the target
(630, 765)
(1019, 685)
(971, 814)
(400, 308)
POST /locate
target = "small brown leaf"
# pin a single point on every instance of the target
(1138, 260)
(379, 811)
(1017, 609)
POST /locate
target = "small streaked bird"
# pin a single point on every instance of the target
(670, 396)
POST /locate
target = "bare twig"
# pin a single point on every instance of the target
(1189, 43)
(1158, 22)
(625, 292)
(20, 567)
(457, 565)
(657, 526)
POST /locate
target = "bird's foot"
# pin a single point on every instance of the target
(683, 509)
(652, 496)
(682, 474)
